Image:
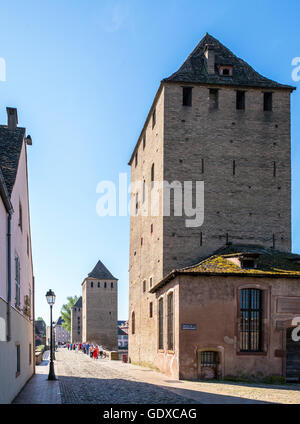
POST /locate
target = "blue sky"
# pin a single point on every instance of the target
(83, 75)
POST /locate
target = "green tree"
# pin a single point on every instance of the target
(66, 311)
(44, 325)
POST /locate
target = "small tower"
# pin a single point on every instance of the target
(76, 322)
(100, 308)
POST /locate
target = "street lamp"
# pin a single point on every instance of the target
(50, 296)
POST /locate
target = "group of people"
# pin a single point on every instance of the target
(94, 351)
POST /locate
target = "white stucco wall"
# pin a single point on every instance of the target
(21, 324)
(3, 251)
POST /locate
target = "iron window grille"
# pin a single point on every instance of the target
(251, 320)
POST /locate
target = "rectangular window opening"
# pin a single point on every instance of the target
(186, 96)
(240, 100)
(268, 101)
(213, 98)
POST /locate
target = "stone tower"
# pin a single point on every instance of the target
(100, 308)
(218, 121)
(76, 322)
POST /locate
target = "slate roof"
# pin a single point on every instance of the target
(10, 150)
(78, 304)
(268, 263)
(194, 69)
(60, 321)
(121, 332)
(100, 271)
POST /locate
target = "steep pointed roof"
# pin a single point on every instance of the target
(78, 304)
(10, 150)
(100, 271)
(194, 69)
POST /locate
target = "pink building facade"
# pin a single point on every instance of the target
(16, 270)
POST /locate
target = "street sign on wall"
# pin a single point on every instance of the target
(189, 326)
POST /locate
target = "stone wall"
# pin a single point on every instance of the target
(99, 315)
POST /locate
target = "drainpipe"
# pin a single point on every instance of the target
(8, 317)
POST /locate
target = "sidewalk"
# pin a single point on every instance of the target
(39, 390)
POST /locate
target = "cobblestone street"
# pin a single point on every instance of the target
(84, 380)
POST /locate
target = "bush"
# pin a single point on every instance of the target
(40, 348)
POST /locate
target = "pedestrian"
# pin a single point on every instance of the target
(68, 346)
(95, 354)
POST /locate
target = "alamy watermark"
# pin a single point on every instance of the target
(2, 70)
(159, 198)
(296, 70)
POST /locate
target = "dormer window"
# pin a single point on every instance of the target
(225, 71)
(248, 263)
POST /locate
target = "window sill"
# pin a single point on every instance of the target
(171, 352)
(251, 353)
(161, 351)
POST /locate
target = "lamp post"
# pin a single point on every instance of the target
(50, 296)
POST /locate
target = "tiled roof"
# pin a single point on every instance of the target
(100, 271)
(194, 69)
(10, 150)
(268, 263)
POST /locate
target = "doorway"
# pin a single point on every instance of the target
(292, 357)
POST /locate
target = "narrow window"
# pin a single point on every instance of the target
(161, 324)
(144, 286)
(105, 285)
(92, 284)
(151, 309)
(153, 117)
(150, 282)
(136, 159)
(201, 241)
(144, 141)
(30, 353)
(213, 98)
(186, 96)
(17, 280)
(144, 191)
(136, 203)
(170, 322)
(251, 320)
(18, 368)
(133, 323)
(27, 245)
(152, 175)
(268, 102)
(274, 169)
(273, 241)
(240, 100)
(202, 166)
(142, 240)
(111, 285)
(151, 228)
(20, 217)
(98, 284)
(233, 167)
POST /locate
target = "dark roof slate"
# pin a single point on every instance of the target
(121, 332)
(194, 69)
(10, 149)
(78, 304)
(100, 271)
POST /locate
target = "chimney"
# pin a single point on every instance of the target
(12, 118)
(209, 53)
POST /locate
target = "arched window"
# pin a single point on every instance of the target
(251, 320)
(133, 323)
